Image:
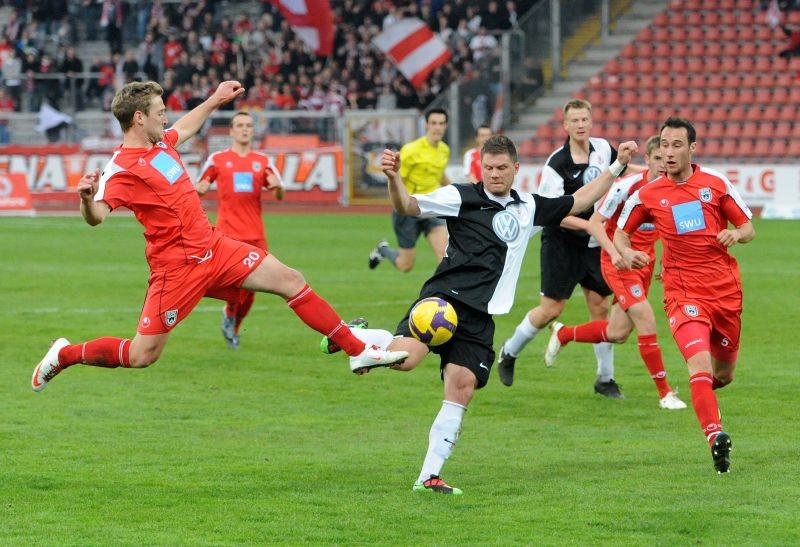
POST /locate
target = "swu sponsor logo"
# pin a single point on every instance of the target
(168, 166)
(688, 217)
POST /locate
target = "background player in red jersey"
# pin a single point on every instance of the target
(472, 157)
(631, 307)
(188, 258)
(691, 208)
(240, 174)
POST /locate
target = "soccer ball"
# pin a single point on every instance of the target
(432, 321)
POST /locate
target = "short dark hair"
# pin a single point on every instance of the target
(676, 122)
(436, 111)
(482, 126)
(500, 144)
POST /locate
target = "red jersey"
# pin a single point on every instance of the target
(239, 182)
(153, 183)
(688, 217)
(472, 164)
(610, 206)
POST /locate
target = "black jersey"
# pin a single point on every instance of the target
(487, 242)
(562, 176)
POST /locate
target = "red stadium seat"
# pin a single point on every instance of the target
(729, 148)
(765, 33)
(727, 16)
(750, 80)
(771, 113)
(779, 148)
(717, 131)
(708, 148)
(647, 97)
(710, 18)
(729, 96)
(763, 96)
(748, 49)
(727, 5)
(765, 130)
(749, 130)
(783, 79)
(761, 64)
(712, 49)
(715, 81)
(737, 112)
(783, 130)
(794, 148)
(651, 114)
(762, 149)
(747, 95)
(615, 114)
(766, 49)
(660, 65)
(527, 149)
(629, 50)
(661, 19)
(645, 35)
(745, 17)
(661, 34)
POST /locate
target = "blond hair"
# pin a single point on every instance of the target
(652, 143)
(578, 103)
(134, 97)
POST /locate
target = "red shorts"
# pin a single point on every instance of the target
(630, 286)
(721, 321)
(173, 293)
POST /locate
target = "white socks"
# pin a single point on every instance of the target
(442, 438)
(604, 351)
(374, 337)
(524, 333)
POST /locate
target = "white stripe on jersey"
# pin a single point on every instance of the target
(737, 198)
(616, 196)
(109, 170)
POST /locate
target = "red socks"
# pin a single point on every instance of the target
(593, 332)
(240, 307)
(651, 355)
(705, 404)
(320, 316)
(105, 352)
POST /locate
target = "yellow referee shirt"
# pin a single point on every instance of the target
(422, 165)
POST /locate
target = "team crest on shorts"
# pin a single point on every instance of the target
(636, 290)
(672, 321)
(256, 166)
(705, 194)
(691, 311)
(170, 317)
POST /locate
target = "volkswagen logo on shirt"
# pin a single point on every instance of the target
(591, 173)
(505, 226)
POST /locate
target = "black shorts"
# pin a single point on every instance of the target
(470, 346)
(408, 229)
(564, 265)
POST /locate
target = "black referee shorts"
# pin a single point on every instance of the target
(470, 346)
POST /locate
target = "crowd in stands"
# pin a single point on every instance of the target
(189, 46)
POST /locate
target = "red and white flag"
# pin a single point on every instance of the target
(312, 21)
(414, 48)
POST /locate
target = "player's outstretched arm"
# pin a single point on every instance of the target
(276, 185)
(94, 212)
(742, 234)
(402, 201)
(191, 123)
(586, 196)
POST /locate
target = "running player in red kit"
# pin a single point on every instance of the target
(240, 174)
(631, 307)
(188, 258)
(691, 208)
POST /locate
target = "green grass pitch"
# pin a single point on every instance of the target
(278, 443)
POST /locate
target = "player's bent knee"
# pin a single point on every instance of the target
(144, 360)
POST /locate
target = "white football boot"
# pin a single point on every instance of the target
(670, 401)
(374, 356)
(553, 345)
(48, 367)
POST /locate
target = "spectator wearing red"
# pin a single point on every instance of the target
(172, 49)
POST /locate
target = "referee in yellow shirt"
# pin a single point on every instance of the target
(422, 165)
